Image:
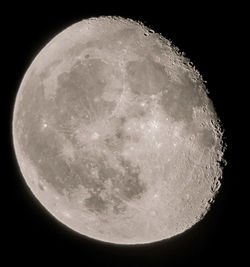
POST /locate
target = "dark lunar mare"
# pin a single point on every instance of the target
(74, 97)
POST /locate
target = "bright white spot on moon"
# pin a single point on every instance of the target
(115, 135)
(95, 136)
(66, 214)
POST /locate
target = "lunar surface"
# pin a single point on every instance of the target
(115, 134)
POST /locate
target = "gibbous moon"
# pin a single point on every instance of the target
(115, 134)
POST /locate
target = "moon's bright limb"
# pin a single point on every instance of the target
(115, 135)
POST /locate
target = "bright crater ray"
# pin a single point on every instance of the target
(115, 135)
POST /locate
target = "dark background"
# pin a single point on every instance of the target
(207, 34)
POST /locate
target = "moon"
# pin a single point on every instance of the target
(115, 134)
